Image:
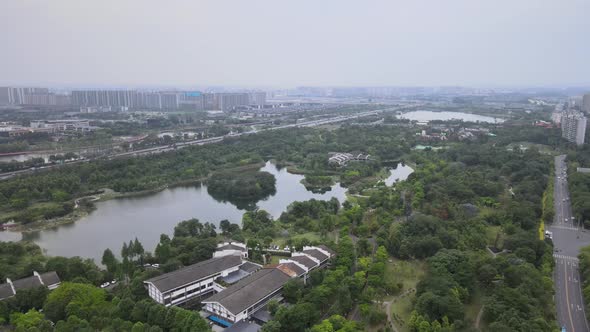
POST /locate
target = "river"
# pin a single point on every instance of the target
(146, 217)
(446, 116)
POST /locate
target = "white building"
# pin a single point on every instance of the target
(231, 248)
(240, 301)
(573, 127)
(194, 280)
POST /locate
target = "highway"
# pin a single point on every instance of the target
(568, 238)
(166, 148)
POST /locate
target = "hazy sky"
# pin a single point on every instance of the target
(294, 42)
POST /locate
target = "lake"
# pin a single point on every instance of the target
(146, 217)
(399, 173)
(446, 116)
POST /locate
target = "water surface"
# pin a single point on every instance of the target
(146, 217)
(399, 173)
(446, 116)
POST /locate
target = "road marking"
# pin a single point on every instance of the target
(566, 258)
(567, 299)
(565, 227)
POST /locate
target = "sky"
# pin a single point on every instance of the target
(287, 43)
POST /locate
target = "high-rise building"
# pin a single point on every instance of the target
(229, 101)
(169, 100)
(17, 96)
(586, 103)
(257, 98)
(573, 126)
(4, 95)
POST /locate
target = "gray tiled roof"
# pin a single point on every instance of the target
(231, 247)
(262, 315)
(290, 269)
(305, 261)
(250, 267)
(316, 254)
(242, 326)
(323, 246)
(250, 290)
(192, 273)
(50, 278)
(26, 283)
(5, 291)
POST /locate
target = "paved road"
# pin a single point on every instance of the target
(568, 238)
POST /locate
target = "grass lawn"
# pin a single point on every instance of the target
(409, 273)
(491, 233)
(311, 236)
(401, 310)
(472, 309)
(406, 272)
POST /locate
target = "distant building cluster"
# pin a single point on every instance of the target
(133, 99)
(46, 126)
(241, 288)
(342, 158)
(188, 100)
(32, 96)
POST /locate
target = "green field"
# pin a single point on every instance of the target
(408, 273)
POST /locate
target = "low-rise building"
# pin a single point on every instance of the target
(48, 279)
(62, 125)
(341, 159)
(194, 280)
(231, 248)
(239, 301)
(243, 299)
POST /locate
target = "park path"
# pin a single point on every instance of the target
(478, 319)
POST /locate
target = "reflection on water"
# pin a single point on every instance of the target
(146, 217)
(399, 173)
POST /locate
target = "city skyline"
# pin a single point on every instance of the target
(267, 44)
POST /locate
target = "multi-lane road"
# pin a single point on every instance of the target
(568, 238)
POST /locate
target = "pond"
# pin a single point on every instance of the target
(399, 173)
(146, 217)
(446, 116)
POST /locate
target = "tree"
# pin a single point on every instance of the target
(109, 260)
(30, 321)
(86, 298)
(138, 250)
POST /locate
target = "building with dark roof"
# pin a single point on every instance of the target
(239, 301)
(48, 279)
(243, 327)
(243, 299)
(194, 280)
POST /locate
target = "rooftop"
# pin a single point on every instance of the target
(316, 254)
(5, 291)
(249, 291)
(26, 283)
(243, 327)
(194, 272)
(50, 278)
(231, 247)
(304, 260)
(291, 269)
